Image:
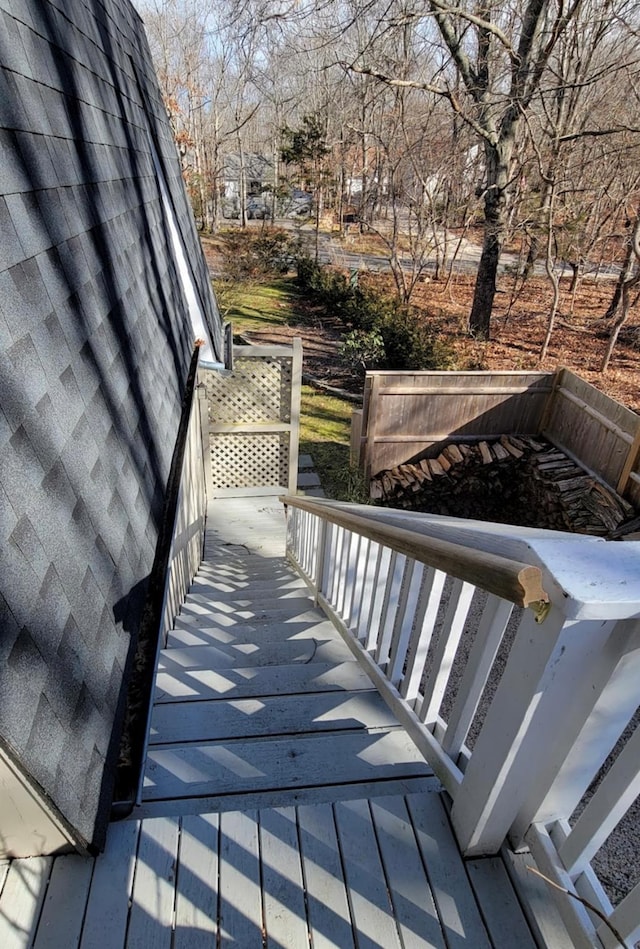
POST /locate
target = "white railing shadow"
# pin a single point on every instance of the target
(512, 657)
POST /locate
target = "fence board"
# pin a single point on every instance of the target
(595, 428)
(407, 412)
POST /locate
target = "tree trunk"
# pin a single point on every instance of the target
(625, 273)
(629, 282)
(498, 159)
(549, 266)
(485, 289)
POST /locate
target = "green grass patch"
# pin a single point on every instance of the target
(325, 424)
(256, 305)
(325, 420)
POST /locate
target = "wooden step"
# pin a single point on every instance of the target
(252, 765)
(187, 633)
(223, 585)
(276, 715)
(199, 614)
(203, 684)
(262, 600)
(251, 654)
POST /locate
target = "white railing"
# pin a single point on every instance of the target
(512, 656)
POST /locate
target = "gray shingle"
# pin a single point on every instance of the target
(25, 538)
(55, 104)
(52, 215)
(11, 251)
(12, 51)
(14, 177)
(19, 703)
(27, 220)
(45, 743)
(26, 663)
(38, 55)
(10, 630)
(28, 368)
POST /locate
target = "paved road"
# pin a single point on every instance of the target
(334, 251)
(331, 250)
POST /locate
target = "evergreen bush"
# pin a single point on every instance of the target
(382, 332)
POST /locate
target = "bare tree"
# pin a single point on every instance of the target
(630, 278)
(494, 63)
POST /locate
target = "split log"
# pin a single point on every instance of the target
(453, 454)
(499, 451)
(511, 448)
(485, 451)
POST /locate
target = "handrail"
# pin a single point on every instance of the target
(478, 689)
(512, 580)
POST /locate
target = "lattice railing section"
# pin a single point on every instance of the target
(253, 421)
(258, 390)
(249, 460)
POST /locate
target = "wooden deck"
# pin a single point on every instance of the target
(282, 804)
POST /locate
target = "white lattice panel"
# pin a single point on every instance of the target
(253, 420)
(249, 460)
(258, 390)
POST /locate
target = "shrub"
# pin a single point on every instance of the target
(258, 254)
(409, 344)
(383, 332)
(362, 350)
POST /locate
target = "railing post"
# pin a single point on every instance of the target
(320, 562)
(203, 404)
(604, 697)
(526, 718)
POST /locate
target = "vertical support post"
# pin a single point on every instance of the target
(355, 438)
(373, 412)
(632, 457)
(320, 562)
(549, 402)
(203, 404)
(604, 697)
(491, 792)
(296, 393)
(526, 718)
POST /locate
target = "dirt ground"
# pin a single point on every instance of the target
(518, 328)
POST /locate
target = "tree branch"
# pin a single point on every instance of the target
(485, 25)
(424, 87)
(598, 133)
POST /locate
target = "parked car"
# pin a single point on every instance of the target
(230, 208)
(258, 209)
(298, 204)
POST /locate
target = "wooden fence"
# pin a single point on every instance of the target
(405, 414)
(600, 433)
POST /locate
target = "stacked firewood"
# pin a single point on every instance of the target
(512, 480)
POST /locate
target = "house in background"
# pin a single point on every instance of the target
(244, 176)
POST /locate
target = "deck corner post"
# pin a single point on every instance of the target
(513, 742)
